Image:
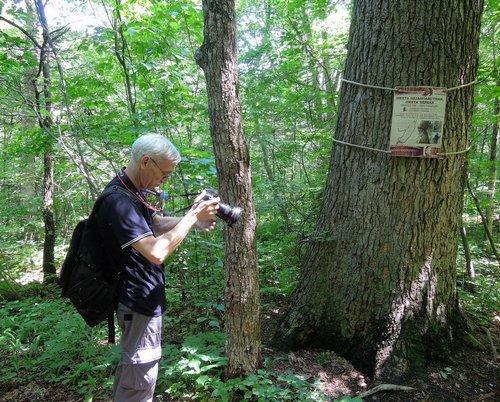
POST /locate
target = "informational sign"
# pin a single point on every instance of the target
(417, 121)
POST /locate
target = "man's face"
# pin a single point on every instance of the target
(158, 171)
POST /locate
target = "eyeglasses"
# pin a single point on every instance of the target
(165, 174)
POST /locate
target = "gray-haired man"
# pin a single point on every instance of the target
(140, 241)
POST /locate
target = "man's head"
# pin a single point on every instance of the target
(156, 146)
(154, 158)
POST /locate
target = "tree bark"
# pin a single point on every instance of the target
(49, 270)
(378, 280)
(122, 55)
(492, 170)
(469, 264)
(495, 136)
(218, 59)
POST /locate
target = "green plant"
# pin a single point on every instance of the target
(324, 358)
(196, 368)
(483, 301)
(46, 337)
(445, 373)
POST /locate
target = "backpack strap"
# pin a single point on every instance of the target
(111, 190)
(111, 328)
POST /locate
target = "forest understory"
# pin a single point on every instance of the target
(351, 133)
(472, 376)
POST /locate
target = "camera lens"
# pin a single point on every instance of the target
(229, 214)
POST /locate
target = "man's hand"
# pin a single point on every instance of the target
(207, 225)
(205, 212)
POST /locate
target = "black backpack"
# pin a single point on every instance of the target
(88, 277)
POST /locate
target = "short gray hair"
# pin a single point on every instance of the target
(156, 146)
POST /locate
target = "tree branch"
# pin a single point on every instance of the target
(30, 37)
(483, 220)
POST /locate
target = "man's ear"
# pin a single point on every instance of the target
(144, 160)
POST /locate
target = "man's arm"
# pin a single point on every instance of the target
(164, 224)
(172, 231)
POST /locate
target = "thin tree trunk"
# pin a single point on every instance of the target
(35, 107)
(121, 52)
(493, 156)
(49, 270)
(492, 177)
(122, 55)
(218, 59)
(487, 232)
(469, 264)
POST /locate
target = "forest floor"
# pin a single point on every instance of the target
(472, 376)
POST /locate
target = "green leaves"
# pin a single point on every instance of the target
(47, 337)
(197, 368)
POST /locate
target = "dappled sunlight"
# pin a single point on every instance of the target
(324, 371)
(337, 385)
(420, 295)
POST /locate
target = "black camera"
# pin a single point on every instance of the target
(227, 213)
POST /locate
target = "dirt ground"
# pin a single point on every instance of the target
(472, 376)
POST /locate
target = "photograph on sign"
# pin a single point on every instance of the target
(417, 121)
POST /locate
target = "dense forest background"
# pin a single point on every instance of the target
(77, 88)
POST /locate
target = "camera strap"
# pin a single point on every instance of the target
(140, 196)
(185, 208)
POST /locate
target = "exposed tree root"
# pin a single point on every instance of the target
(492, 344)
(385, 387)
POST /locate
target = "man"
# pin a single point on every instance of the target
(139, 240)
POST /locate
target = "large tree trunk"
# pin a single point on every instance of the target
(218, 58)
(378, 280)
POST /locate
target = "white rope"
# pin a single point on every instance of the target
(368, 86)
(398, 90)
(461, 86)
(463, 151)
(390, 152)
(361, 146)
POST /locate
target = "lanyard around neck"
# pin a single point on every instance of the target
(137, 194)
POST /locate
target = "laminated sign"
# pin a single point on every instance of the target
(417, 121)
